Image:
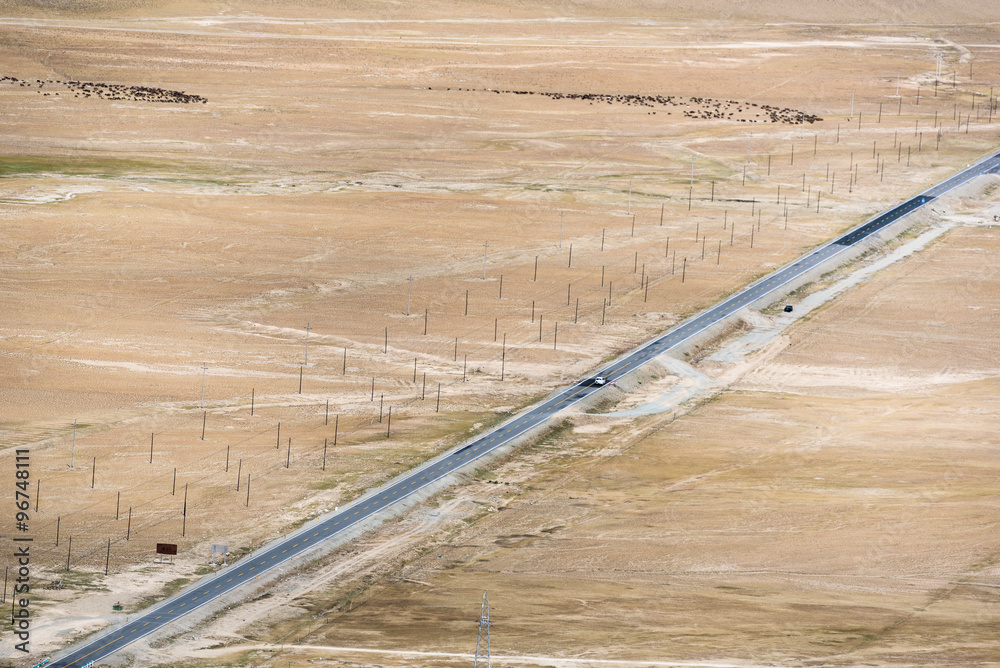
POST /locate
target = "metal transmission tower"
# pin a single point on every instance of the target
(484, 623)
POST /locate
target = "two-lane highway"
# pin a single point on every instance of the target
(249, 568)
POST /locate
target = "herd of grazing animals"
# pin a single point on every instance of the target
(106, 91)
(694, 107)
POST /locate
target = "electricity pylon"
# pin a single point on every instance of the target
(484, 627)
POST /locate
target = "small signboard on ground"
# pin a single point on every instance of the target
(220, 549)
(169, 549)
(166, 548)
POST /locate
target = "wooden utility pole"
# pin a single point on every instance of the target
(503, 360)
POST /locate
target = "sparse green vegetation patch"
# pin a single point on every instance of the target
(22, 165)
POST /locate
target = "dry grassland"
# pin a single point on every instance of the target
(335, 161)
(834, 507)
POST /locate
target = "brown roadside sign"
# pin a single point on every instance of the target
(166, 548)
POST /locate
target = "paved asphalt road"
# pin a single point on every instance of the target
(245, 570)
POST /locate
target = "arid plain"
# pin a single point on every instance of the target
(831, 500)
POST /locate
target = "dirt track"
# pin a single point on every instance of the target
(794, 517)
(327, 168)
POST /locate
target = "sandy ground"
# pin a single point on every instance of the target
(799, 517)
(333, 162)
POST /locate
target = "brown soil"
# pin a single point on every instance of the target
(794, 518)
(332, 162)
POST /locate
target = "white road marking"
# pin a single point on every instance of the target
(688, 329)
